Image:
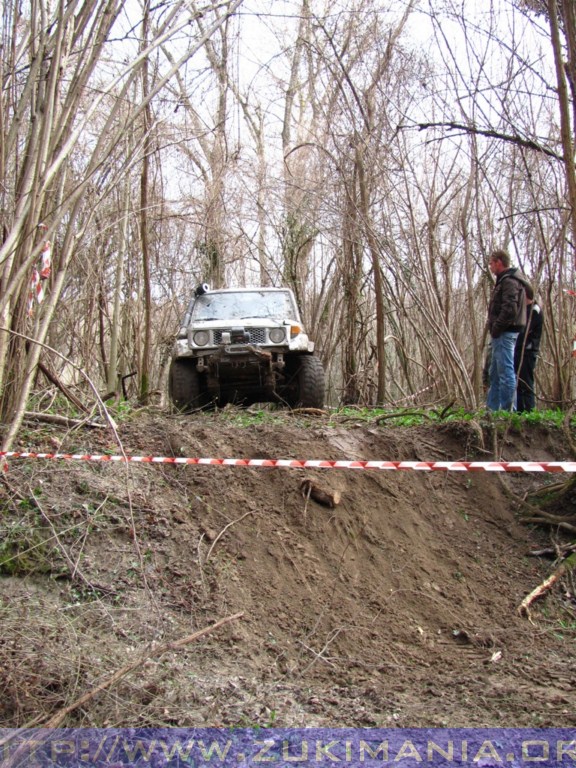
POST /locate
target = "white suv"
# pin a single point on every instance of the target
(244, 345)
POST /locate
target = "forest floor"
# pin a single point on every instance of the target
(396, 608)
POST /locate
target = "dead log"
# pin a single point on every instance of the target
(64, 421)
(565, 567)
(310, 490)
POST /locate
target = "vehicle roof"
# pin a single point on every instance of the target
(254, 289)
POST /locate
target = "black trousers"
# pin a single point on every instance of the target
(525, 398)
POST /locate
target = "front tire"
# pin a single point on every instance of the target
(184, 386)
(311, 385)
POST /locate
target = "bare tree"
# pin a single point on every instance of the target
(371, 175)
(48, 78)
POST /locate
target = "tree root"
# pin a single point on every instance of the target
(64, 421)
(565, 567)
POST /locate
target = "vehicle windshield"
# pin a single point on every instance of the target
(241, 305)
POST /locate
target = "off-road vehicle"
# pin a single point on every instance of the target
(244, 345)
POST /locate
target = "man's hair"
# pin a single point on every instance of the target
(529, 292)
(502, 256)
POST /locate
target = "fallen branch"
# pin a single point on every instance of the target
(317, 655)
(320, 654)
(223, 531)
(546, 490)
(554, 552)
(16, 421)
(544, 519)
(64, 421)
(53, 379)
(307, 412)
(75, 572)
(565, 567)
(56, 720)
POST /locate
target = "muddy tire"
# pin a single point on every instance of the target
(311, 385)
(184, 386)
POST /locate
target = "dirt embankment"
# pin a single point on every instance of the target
(396, 607)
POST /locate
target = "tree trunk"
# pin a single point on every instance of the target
(566, 128)
(113, 382)
(376, 274)
(144, 228)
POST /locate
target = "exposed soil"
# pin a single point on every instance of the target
(396, 608)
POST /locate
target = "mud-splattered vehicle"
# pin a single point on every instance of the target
(244, 345)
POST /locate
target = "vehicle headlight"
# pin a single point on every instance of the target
(277, 335)
(201, 338)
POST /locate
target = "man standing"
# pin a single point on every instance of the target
(506, 318)
(526, 354)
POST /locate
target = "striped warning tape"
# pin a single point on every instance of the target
(426, 466)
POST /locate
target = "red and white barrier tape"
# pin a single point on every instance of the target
(426, 466)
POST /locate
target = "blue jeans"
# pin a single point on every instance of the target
(502, 392)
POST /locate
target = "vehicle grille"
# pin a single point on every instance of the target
(257, 335)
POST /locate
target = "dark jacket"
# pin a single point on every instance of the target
(533, 331)
(507, 310)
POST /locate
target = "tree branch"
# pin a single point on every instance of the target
(56, 720)
(491, 134)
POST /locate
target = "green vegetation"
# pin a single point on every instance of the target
(414, 416)
(401, 417)
(122, 410)
(562, 624)
(56, 403)
(24, 548)
(53, 402)
(269, 413)
(32, 542)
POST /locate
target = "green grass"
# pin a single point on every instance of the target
(122, 410)
(243, 417)
(548, 418)
(388, 417)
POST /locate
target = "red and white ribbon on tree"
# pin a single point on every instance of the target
(40, 273)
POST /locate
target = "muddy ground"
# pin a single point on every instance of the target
(398, 607)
